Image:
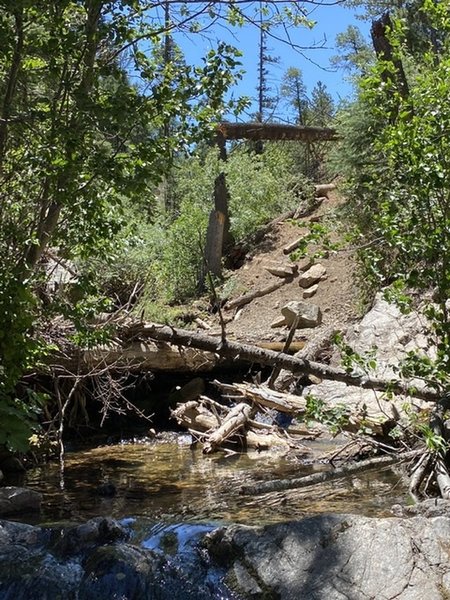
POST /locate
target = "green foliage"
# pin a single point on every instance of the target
(352, 360)
(319, 235)
(79, 142)
(334, 418)
(355, 55)
(396, 156)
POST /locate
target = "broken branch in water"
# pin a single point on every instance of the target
(308, 480)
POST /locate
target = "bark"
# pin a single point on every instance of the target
(383, 48)
(301, 482)
(285, 403)
(246, 298)
(253, 354)
(214, 244)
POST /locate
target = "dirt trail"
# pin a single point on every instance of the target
(336, 296)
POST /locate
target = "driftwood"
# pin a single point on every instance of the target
(246, 298)
(245, 352)
(296, 406)
(236, 420)
(203, 424)
(301, 482)
(286, 403)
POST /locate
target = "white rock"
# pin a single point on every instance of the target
(308, 293)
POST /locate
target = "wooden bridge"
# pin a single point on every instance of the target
(273, 132)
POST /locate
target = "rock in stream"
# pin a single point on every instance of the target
(325, 557)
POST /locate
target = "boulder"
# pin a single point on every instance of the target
(18, 500)
(309, 314)
(313, 275)
(332, 557)
(386, 334)
(337, 557)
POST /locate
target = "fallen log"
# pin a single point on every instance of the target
(294, 245)
(286, 403)
(245, 352)
(246, 298)
(291, 404)
(279, 485)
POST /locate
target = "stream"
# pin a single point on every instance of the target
(165, 480)
(167, 495)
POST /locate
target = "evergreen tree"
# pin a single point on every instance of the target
(356, 55)
(321, 107)
(294, 91)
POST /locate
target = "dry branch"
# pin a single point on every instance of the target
(202, 423)
(246, 298)
(293, 245)
(236, 419)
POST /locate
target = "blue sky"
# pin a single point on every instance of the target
(314, 64)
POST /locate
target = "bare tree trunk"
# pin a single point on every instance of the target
(236, 419)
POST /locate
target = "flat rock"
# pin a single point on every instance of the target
(311, 291)
(309, 314)
(305, 263)
(283, 270)
(313, 275)
(17, 500)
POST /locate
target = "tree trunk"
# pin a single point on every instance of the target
(11, 82)
(383, 48)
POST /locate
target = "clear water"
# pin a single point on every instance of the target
(166, 481)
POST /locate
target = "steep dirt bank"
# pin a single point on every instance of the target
(337, 295)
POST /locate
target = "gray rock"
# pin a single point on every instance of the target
(388, 335)
(283, 270)
(18, 500)
(338, 557)
(309, 314)
(312, 276)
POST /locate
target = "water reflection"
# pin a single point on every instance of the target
(169, 481)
